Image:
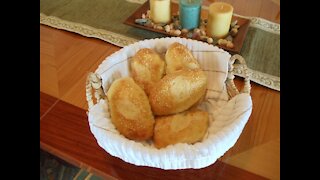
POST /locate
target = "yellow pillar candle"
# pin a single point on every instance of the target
(160, 11)
(219, 20)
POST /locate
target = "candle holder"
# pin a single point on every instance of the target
(175, 28)
(233, 42)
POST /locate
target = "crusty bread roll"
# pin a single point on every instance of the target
(130, 109)
(177, 92)
(179, 57)
(147, 68)
(185, 127)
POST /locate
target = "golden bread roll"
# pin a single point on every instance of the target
(185, 127)
(177, 92)
(179, 57)
(147, 68)
(130, 109)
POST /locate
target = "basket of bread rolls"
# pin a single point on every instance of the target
(168, 103)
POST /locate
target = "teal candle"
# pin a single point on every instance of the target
(190, 11)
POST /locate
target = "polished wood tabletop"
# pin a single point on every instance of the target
(65, 60)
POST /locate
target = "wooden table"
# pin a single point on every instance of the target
(64, 132)
(65, 60)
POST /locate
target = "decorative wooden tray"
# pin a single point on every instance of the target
(237, 40)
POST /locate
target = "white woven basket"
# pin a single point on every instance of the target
(228, 108)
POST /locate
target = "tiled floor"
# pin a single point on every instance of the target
(54, 168)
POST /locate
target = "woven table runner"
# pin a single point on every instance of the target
(103, 19)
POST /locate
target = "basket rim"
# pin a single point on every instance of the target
(155, 39)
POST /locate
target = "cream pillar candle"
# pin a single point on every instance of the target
(219, 19)
(160, 11)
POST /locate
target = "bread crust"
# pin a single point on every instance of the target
(179, 57)
(185, 127)
(147, 68)
(130, 109)
(177, 92)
